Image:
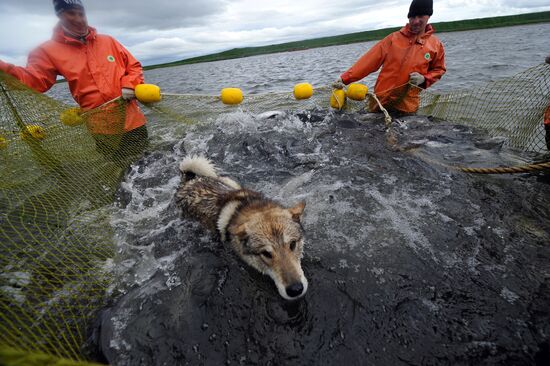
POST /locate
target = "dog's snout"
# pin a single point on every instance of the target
(295, 290)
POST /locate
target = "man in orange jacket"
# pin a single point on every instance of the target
(411, 55)
(98, 69)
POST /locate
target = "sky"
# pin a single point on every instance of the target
(158, 31)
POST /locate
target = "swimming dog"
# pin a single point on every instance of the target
(265, 235)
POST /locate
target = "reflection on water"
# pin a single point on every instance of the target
(408, 262)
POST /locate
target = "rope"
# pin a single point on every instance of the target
(387, 117)
(340, 105)
(526, 168)
(507, 170)
(391, 135)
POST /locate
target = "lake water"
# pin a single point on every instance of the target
(409, 263)
(472, 58)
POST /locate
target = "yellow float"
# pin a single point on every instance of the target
(357, 91)
(232, 96)
(33, 132)
(3, 143)
(303, 91)
(148, 93)
(338, 99)
(71, 117)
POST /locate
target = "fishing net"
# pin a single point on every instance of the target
(512, 108)
(52, 247)
(60, 168)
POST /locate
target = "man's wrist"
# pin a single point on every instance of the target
(345, 77)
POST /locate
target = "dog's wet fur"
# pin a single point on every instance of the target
(266, 235)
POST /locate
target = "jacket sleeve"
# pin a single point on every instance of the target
(437, 68)
(134, 72)
(39, 74)
(368, 63)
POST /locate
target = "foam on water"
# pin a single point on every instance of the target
(15, 282)
(399, 211)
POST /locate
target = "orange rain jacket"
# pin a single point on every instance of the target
(400, 54)
(96, 72)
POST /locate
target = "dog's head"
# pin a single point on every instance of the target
(270, 238)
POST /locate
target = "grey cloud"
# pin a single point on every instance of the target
(323, 12)
(156, 14)
(525, 4)
(168, 30)
(128, 14)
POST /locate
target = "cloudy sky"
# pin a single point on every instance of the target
(169, 30)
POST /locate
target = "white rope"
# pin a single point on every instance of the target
(391, 135)
(387, 117)
(340, 105)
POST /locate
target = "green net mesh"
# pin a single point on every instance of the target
(14, 357)
(52, 248)
(511, 108)
(58, 178)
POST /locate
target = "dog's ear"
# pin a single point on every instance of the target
(240, 232)
(297, 211)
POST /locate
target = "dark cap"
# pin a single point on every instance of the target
(61, 5)
(421, 7)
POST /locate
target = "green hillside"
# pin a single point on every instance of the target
(460, 25)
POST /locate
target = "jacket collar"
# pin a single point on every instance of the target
(407, 33)
(60, 36)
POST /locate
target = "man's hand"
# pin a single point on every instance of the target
(338, 84)
(128, 94)
(416, 78)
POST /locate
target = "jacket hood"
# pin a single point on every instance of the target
(60, 36)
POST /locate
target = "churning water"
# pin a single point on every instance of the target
(409, 262)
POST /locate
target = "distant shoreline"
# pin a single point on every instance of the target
(441, 27)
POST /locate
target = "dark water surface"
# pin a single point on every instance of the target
(408, 262)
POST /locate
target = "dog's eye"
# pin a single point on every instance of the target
(293, 245)
(266, 254)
